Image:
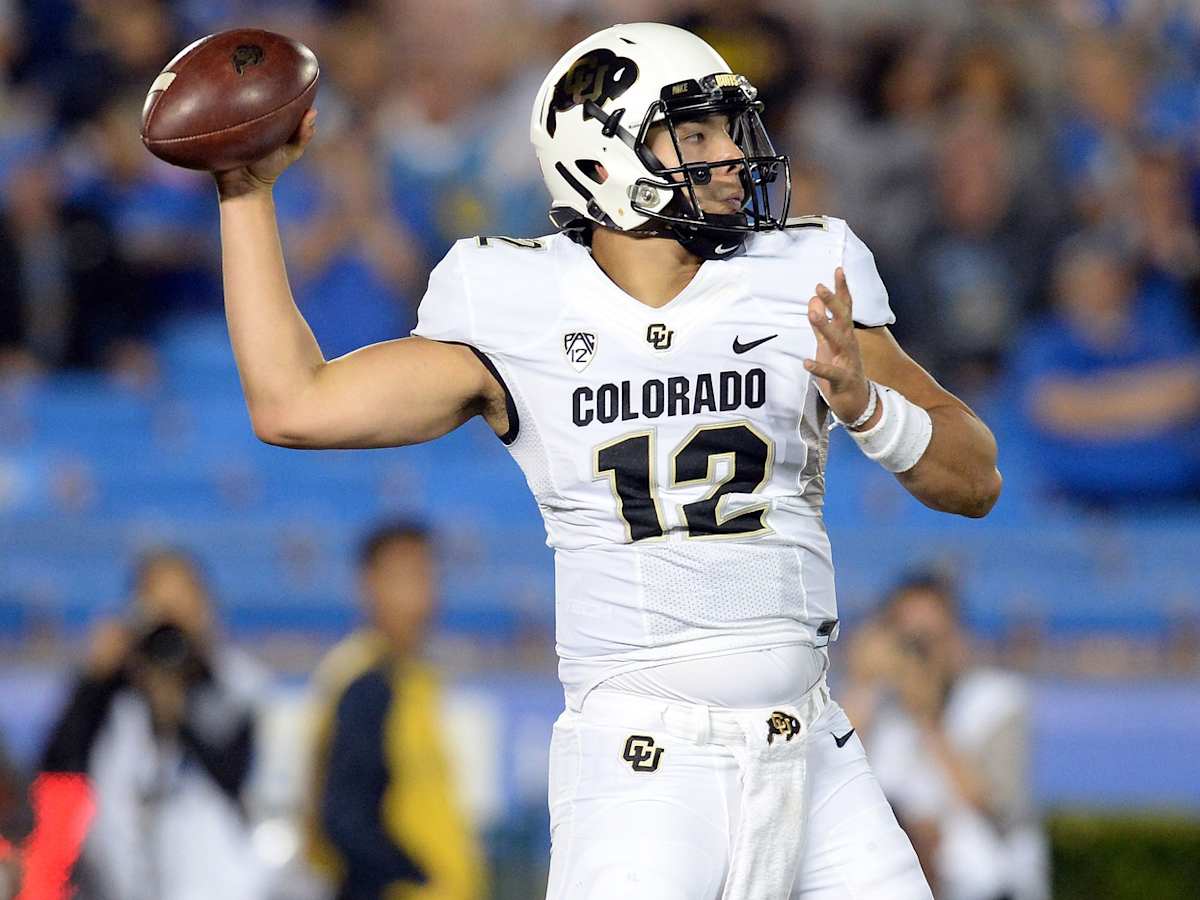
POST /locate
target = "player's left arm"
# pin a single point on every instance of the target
(957, 471)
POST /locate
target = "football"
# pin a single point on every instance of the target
(229, 99)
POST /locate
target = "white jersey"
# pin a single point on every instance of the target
(677, 454)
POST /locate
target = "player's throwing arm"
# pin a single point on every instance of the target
(238, 104)
(388, 394)
(897, 413)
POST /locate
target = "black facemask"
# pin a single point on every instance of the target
(764, 174)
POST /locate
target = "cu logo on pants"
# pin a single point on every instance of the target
(782, 724)
(641, 753)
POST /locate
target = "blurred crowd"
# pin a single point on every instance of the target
(1026, 171)
(157, 779)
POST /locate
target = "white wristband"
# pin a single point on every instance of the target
(899, 439)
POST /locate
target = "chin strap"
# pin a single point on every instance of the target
(707, 244)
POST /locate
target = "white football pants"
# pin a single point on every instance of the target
(646, 799)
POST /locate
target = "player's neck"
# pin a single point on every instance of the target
(652, 270)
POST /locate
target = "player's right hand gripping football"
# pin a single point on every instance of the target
(261, 175)
(838, 366)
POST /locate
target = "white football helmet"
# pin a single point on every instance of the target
(595, 109)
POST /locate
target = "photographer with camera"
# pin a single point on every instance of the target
(949, 741)
(162, 721)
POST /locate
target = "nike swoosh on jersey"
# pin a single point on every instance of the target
(739, 347)
(725, 251)
(841, 741)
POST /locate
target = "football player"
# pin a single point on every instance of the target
(665, 369)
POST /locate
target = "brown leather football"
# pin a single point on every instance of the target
(229, 99)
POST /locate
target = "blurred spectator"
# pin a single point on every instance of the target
(1095, 140)
(868, 122)
(356, 49)
(980, 268)
(986, 80)
(24, 119)
(165, 217)
(456, 127)
(101, 241)
(1163, 226)
(68, 297)
(949, 742)
(384, 812)
(430, 130)
(1111, 383)
(913, 117)
(103, 49)
(162, 719)
(354, 266)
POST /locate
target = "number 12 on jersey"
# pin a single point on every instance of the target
(628, 464)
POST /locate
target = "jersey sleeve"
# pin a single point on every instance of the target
(871, 306)
(445, 313)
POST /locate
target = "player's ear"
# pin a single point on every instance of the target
(601, 173)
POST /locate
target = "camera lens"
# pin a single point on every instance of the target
(166, 645)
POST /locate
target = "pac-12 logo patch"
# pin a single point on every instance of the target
(641, 753)
(580, 347)
(782, 724)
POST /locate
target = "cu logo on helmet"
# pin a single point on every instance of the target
(598, 76)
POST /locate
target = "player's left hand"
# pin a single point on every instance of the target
(838, 365)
